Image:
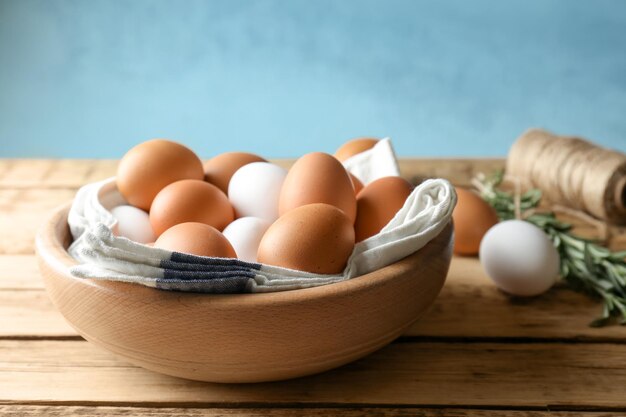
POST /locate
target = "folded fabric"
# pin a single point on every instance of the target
(372, 164)
(103, 255)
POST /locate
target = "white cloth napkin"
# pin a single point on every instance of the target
(102, 255)
(372, 164)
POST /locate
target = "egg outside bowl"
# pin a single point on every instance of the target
(243, 337)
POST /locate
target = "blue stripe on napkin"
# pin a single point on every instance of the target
(232, 285)
(205, 260)
(184, 272)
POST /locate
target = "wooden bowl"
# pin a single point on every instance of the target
(243, 337)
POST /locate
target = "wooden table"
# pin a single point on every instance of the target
(476, 352)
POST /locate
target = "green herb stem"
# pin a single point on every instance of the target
(585, 265)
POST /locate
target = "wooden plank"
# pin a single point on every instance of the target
(72, 173)
(85, 411)
(469, 306)
(26, 200)
(469, 295)
(19, 272)
(22, 211)
(30, 314)
(408, 374)
(53, 173)
(62, 173)
(23, 204)
(25, 309)
(459, 171)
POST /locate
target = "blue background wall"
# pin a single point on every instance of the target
(92, 78)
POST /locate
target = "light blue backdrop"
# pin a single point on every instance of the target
(281, 78)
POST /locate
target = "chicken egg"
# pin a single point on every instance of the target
(519, 258)
(254, 190)
(133, 223)
(353, 147)
(148, 167)
(245, 235)
(318, 178)
(356, 184)
(190, 201)
(377, 203)
(317, 238)
(196, 239)
(472, 217)
(220, 169)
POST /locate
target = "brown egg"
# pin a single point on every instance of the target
(190, 201)
(472, 216)
(316, 238)
(356, 184)
(220, 169)
(377, 203)
(353, 147)
(317, 178)
(196, 239)
(150, 166)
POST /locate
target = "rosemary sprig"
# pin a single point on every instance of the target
(585, 265)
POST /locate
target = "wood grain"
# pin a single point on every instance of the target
(25, 201)
(19, 272)
(85, 411)
(30, 314)
(483, 375)
(22, 211)
(53, 173)
(244, 337)
(544, 362)
(471, 306)
(73, 173)
(467, 298)
(458, 171)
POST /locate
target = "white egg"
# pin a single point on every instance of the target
(133, 223)
(519, 258)
(245, 235)
(254, 190)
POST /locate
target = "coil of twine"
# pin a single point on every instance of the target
(572, 172)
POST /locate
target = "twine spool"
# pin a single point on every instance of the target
(572, 172)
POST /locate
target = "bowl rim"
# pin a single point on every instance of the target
(53, 252)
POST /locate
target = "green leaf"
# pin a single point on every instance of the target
(605, 285)
(588, 257)
(613, 274)
(584, 265)
(618, 256)
(598, 251)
